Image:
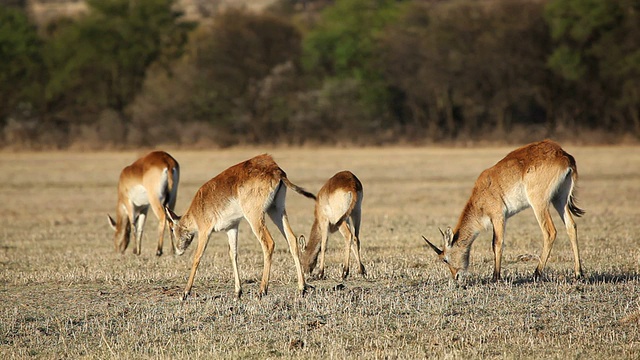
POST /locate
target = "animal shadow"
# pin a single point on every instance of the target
(590, 278)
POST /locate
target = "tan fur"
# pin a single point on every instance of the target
(247, 190)
(153, 181)
(540, 175)
(338, 207)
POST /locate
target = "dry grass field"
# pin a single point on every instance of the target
(65, 293)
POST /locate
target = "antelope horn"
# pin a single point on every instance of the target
(302, 243)
(438, 251)
(441, 232)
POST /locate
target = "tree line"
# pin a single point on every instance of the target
(131, 74)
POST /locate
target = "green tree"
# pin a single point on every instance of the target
(598, 52)
(344, 43)
(21, 67)
(233, 61)
(100, 61)
(465, 67)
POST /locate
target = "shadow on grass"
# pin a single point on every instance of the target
(611, 278)
(592, 278)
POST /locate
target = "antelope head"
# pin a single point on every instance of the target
(122, 228)
(453, 254)
(181, 236)
(308, 262)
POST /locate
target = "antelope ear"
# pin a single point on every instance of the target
(448, 237)
(438, 251)
(302, 243)
(112, 222)
(171, 215)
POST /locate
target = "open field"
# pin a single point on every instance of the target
(65, 293)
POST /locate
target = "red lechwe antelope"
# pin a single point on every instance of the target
(338, 207)
(151, 181)
(538, 175)
(246, 190)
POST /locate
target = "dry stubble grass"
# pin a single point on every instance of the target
(65, 293)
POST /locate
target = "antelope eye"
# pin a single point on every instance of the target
(444, 260)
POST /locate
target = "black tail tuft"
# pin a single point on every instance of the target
(304, 192)
(298, 189)
(575, 210)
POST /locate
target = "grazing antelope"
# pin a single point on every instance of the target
(246, 190)
(151, 181)
(538, 175)
(338, 207)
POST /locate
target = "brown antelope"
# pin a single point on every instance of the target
(538, 175)
(246, 190)
(151, 181)
(338, 207)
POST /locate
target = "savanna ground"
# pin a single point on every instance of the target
(65, 293)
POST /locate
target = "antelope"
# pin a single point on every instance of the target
(246, 190)
(151, 181)
(538, 175)
(338, 207)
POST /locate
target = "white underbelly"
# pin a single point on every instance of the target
(139, 196)
(516, 200)
(228, 217)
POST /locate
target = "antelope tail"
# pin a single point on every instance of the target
(297, 188)
(575, 210)
(173, 177)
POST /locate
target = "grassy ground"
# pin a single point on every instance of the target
(64, 293)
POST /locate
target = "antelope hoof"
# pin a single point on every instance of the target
(363, 272)
(496, 277)
(537, 275)
(306, 289)
(238, 294)
(184, 297)
(159, 252)
(345, 273)
(262, 293)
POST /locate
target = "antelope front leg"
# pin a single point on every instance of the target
(203, 239)
(233, 254)
(324, 236)
(161, 227)
(498, 237)
(139, 228)
(157, 208)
